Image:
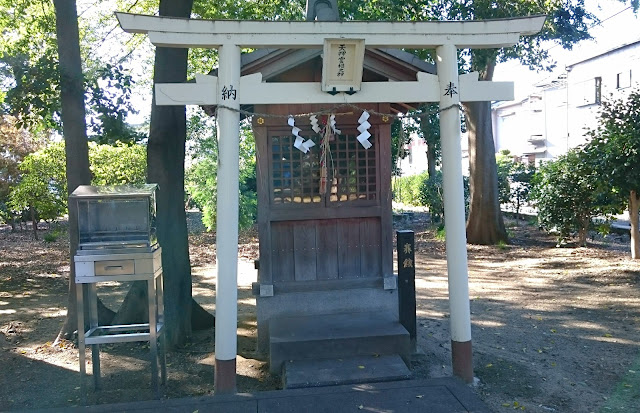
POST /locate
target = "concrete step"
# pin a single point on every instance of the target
(350, 370)
(335, 336)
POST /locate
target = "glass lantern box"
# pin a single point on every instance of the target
(116, 217)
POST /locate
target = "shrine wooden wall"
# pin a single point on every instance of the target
(326, 249)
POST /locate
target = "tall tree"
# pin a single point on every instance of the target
(165, 155)
(165, 166)
(567, 23)
(430, 129)
(615, 154)
(165, 160)
(74, 132)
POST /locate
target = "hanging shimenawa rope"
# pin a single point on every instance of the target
(336, 110)
(324, 151)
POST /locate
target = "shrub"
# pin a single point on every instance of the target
(515, 181)
(201, 182)
(431, 195)
(406, 189)
(43, 181)
(118, 164)
(51, 236)
(568, 196)
(504, 164)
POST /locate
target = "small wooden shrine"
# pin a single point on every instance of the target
(324, 195)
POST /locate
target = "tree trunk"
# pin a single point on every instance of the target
(34, 222)
(75, 136)
(634, 203)
(431, 161)
(431, 133)
(584, 231)
(485, 224)
(165, 166)
(135, 308)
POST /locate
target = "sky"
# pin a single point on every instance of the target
(619, 25)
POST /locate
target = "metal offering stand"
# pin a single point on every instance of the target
(117, 242)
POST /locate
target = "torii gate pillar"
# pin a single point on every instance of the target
(227, 225)
(456, 239)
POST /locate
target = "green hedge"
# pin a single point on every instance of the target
(406, 189)
(421, 190)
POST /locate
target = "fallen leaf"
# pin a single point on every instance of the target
(489, 365)
(360, 367)
(360, 407)
(553, 330)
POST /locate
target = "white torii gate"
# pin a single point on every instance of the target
(447, 88)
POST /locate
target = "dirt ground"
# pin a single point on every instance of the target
(554, 329)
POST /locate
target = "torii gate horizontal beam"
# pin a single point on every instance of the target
(253, 90)
(186, 33)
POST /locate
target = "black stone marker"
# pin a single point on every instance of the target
(407, 282)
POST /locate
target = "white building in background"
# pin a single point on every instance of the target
(610, 74)
(415, 160)
(543, 126)
(533, 128)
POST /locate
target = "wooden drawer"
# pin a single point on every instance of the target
(115, 267)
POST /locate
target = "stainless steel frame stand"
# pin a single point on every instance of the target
(94, 269)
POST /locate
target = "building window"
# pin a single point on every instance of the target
(591, 92)
(623, 79)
